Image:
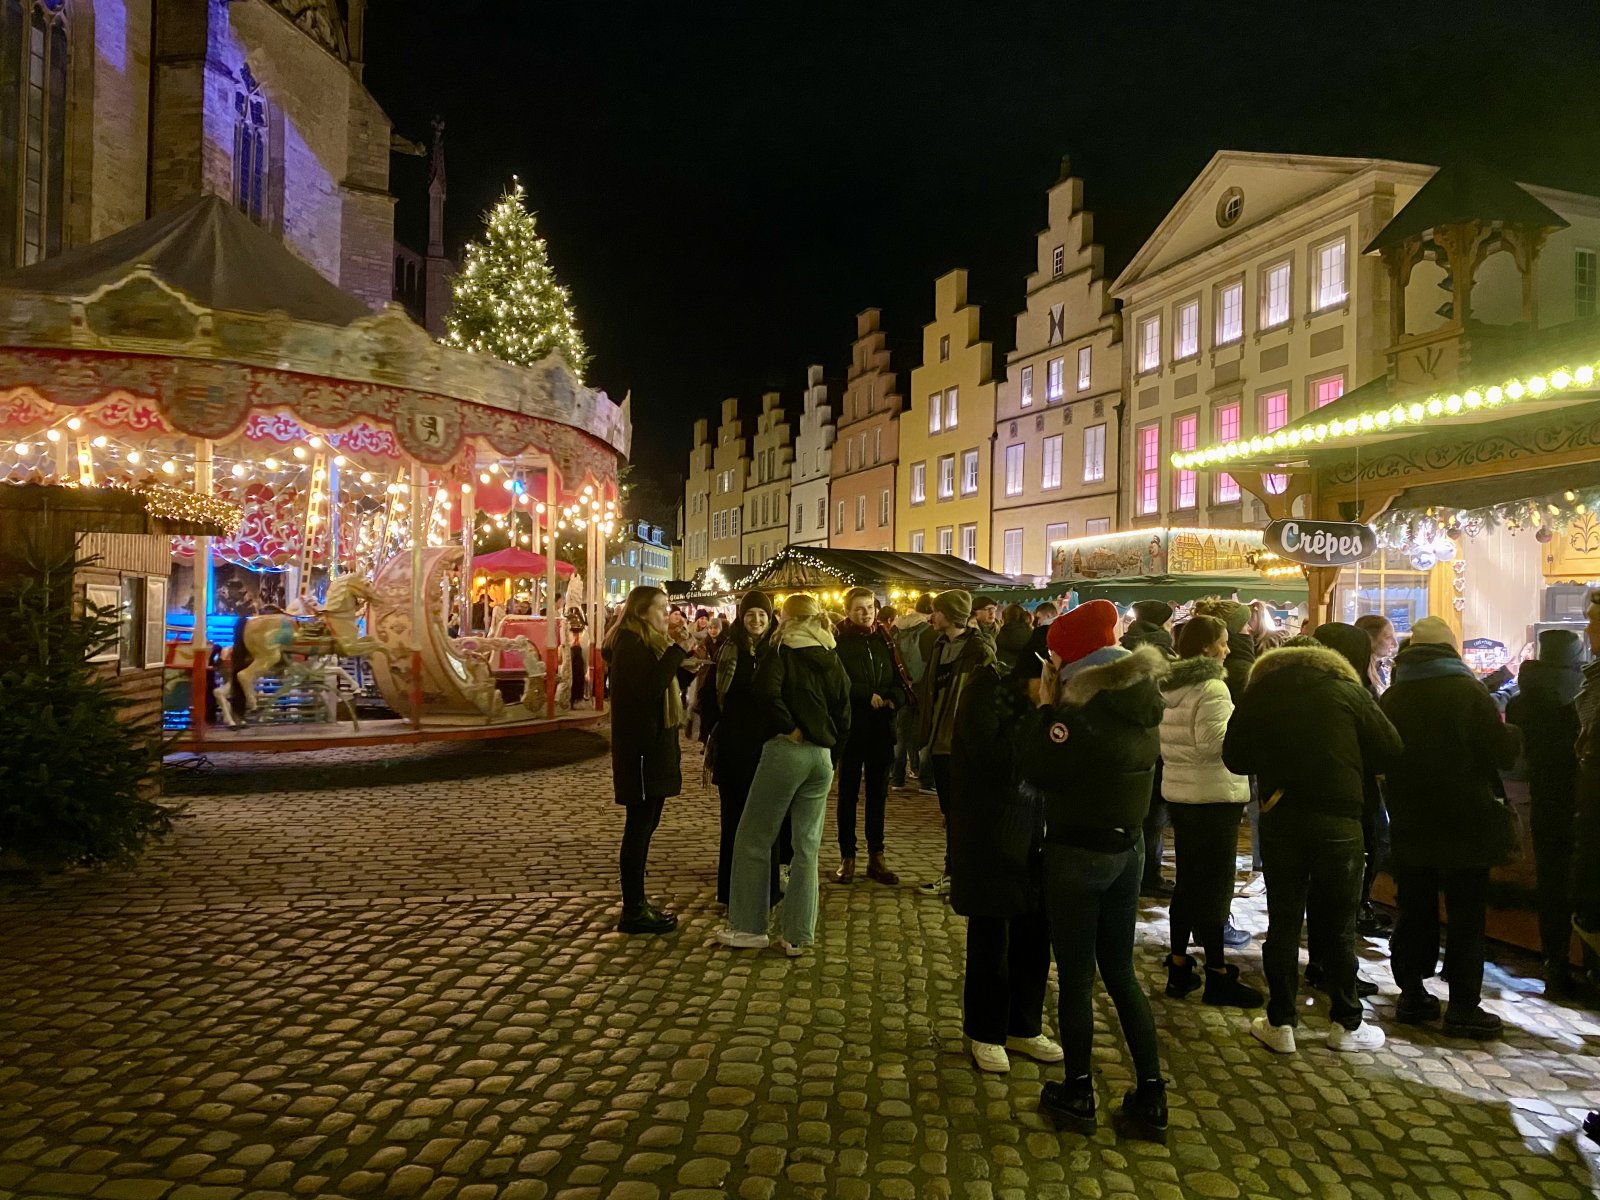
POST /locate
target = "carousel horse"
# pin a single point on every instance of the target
(475, 651)
(271, 638)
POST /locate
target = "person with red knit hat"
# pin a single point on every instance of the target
(1091, 751)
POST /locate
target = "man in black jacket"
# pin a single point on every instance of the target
(1308, 730)
(876, 694)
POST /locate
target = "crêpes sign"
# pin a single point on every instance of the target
(1321, 543)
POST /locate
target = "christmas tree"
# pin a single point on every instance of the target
(506, 300)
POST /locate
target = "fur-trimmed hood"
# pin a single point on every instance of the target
(1187, 672)
(1141, 665)
(1311, 658)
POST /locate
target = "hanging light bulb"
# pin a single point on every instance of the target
(53, 435)
(270, 464)
(300, 452)
(99, 443)
(338, 460)
(74, 424)
(134, 456)
(366, 477)
(316, 442)
(169, 467)
(238, 470)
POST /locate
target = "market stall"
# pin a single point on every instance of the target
(893, 577)
(196, 350)
(1176, 565)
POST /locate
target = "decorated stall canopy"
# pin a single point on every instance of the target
(514, 563)
(892, 576)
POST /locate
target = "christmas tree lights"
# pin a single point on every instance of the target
(506, 299)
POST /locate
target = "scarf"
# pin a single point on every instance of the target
(796, 634)
(658, 643)
(1413, 665)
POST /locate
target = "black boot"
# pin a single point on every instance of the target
(1224, 990)
(1417, 1007)
(1181, 979)
(1070, 1104)
(646, 918)
(1144, 1112)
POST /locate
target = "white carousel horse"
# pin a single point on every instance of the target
(272, 637)
(476, 650)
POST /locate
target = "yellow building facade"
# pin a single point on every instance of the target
(730, 468)
(947, 434)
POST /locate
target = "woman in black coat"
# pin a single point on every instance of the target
(997, 865)
(740, 728)
(646, 714)
(1445, 832)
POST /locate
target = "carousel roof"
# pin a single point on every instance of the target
(208, 250)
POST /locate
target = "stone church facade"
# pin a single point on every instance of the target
(145, 103)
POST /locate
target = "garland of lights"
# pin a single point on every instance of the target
(1437, 529)
(1418, 412)
(166, 503)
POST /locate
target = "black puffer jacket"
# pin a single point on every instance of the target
(868, 659)
(1010, 642)
(1545, 710)
(1442, 786)
(1143, 633)
(645, 763)
(1307, 726)
(1093, 754)
(1240, 662)
(996, 824)
(805, 688)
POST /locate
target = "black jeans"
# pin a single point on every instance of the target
(1313, 865)
(1008, 963)
(1205, 840)
(1414, 945)
(1092, 901)
(1552, 860)
(1155, 824)
(637, 830)
(855, 763)
(944, 782)
(733, 789)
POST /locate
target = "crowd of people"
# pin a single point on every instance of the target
(1062, 746)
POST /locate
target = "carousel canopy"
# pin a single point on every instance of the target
(206, 249)
(515, 563)
(881, 570)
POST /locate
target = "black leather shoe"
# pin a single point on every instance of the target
(1070, 1105)
(1472, 1023)
(646, 918)
(1233, 937)
(1144, 1112)
(1417, 1010)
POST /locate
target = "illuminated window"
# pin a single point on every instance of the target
(1230, 313)
(969, 472)
(1055, 385)
(1011, 542)
(1050, 475)
(33, 129)
(1186, 331)
(883, 508)
(861, 512)
(249, 147)
(1149, 469)
(1328, 288)
(936, 412)
(1094, 454)
(950, 409)
(919, 540)
(1228, 418)
(1014, 465)
(969, 543)
(947, 539)
(1085, 365)
(1058, 262)
(1096, 525)
(1185, 434)
(822, 514)
(1326, 390)
(838, 519)
(1275, 295)
(1150, 343)
(944, 348)
(1274, 416)
(1027, 386)
(919, 482)
(947, 476)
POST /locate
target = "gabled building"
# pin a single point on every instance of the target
(766, 493)
(945, 434)
(1055, 446)
(866, 445)
(730, 467)
(813, 463)
(694, 515)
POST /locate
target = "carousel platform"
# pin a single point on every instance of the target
(289, 739)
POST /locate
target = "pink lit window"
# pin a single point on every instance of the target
(1149, 469)
(1274, 416)
(1185, 433)
(1227, 418)
(1326, 391)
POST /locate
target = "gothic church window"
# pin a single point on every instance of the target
(33, 129)
(249, 147)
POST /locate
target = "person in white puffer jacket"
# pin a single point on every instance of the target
(1206, 802)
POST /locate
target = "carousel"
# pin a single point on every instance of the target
(367, 461)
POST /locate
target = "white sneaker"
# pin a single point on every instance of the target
(936, 887)
(991, 1058)
(1365, 1036)
(1038, 1048)
(738, 939)
(1277, 1038)
(791, 949)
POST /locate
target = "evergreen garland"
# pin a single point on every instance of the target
(80, 777)
(506, 300)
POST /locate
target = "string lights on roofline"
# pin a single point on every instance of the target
(1439, 406)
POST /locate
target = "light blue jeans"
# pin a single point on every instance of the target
(793, 779)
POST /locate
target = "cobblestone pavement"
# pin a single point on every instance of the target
(395, 976)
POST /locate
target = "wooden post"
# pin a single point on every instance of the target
(550, 614)
(469, 520)
(419, 600)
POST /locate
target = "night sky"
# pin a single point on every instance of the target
(724, 185)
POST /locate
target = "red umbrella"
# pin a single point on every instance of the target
(515, 563)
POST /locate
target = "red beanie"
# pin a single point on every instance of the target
(1085, 629)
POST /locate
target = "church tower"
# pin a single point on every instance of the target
(440, 268)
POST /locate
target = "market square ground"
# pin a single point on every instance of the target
(393, 974)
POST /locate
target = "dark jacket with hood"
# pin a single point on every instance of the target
(802, 686)
(996, 824)
(868, 659)
(1441, 788)
(1307, 726)
(1545, 711)
(741, 727)
(1240, 662)
(645, 762)
(950, 667)
(1145, 633)
(1011, 641)
(1093, 753)
(1355, 646)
